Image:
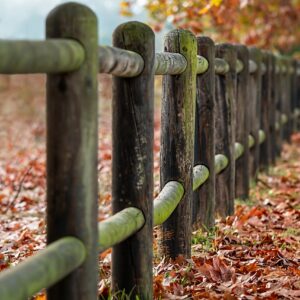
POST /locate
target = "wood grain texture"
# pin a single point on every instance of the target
(278, 104)
(242, 124)
(132, 165)
(225, 129)
(204, 197)
(254, 110)
(177, 142)
(72, 150)
(49, 56)
(272, 127)
(265, 147)
(286, 98)
(119, 62)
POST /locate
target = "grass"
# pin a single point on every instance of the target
(205, 238)
(119, 295)
(291, 231)
(247, 202)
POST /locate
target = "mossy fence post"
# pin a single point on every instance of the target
(132, 166)
(278, 104)
(285, 99)
(177, 142)
(204, 197)
(297, 92)
(265, 147)
(72, 143)
(272, 128)
(225, 129)
(254, 110)
(295, 111)
(242, 124)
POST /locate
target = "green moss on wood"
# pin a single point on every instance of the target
(169, 63)
(221, 162)
(239, 66)
(200, 175)
(252, 66)
(238, 150)
(221, 66)
(251, 141)
(42, 270)
(261, 136)
(167, 201)
(202, 64)
(50, 56)
(283, 119)
(120, 62)
(119, 227)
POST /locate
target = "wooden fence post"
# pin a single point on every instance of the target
(204, 197)
(132, 171)
(287, 100)
(272, 128)
(265, 147)
(254, 110)
(242, 124)
(277, 85)
(177, 142)
(294, 95)
(297, 91)
(72, 143)
(225, 129)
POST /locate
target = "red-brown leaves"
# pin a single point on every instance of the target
(216, 270)
(254, 254)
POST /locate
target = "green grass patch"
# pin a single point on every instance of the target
(291, 231)
(119, 295)
(247, 202)
(205, 238)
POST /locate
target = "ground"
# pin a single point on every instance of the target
(254, 254)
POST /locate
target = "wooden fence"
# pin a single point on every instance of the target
(226, 110)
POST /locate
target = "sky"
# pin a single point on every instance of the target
(25, 19)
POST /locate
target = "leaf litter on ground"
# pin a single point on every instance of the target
(254, 254)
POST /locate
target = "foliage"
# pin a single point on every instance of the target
(271, 24)
(254, 253)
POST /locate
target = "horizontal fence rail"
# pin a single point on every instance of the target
(226, 111)
(50, 56)
(125, 223)
(42, 270)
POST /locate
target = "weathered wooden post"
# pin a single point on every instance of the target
(254, 110)
(286, 100)
(272, 125)
(177, 142)
(242, 124)
(204, 197)
(132, 166)
(72, 142)
(297, 73)
(296, 94)
(265, 147)
(277, 86)
(225, 129)
(295, 112)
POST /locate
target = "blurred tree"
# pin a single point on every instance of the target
(271, 24)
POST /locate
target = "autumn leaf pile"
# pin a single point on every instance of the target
(254, 254)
